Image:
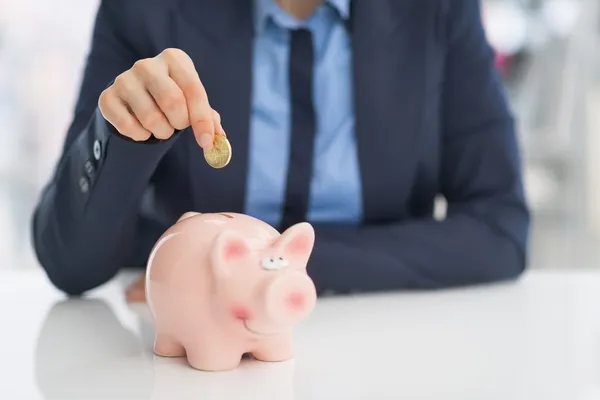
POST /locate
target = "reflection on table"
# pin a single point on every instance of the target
(84, 352)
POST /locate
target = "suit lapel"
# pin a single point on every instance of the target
(389, 61)
(218, 37)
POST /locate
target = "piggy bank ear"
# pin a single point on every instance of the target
(229, 249)
(297, 242)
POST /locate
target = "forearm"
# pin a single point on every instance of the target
(420, 254)
(84, 224)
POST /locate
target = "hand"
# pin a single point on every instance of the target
(136, 292)
(158, 96)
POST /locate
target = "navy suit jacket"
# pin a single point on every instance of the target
(431, 118)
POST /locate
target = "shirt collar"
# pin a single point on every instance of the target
(342, 7)
(263, 9)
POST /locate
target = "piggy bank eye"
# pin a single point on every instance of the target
(274, 263)
(269, 263)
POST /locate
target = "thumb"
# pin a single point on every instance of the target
(204, 130)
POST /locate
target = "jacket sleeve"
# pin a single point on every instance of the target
(485, 233)
(84, 222)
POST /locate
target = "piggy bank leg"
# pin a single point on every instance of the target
(165, 346)
(278, 348)
(213, 356)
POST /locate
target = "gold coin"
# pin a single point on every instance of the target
(220, 154)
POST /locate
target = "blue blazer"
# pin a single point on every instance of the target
(431, 118)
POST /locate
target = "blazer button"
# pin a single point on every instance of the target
(84, 185)
(89, 169)
(97, 150)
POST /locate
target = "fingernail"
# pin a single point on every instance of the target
(206, 141)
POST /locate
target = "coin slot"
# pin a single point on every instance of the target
(226, 215)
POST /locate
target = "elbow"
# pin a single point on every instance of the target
(512, 250)
(57, 265)
(512, 269)
(69, 267)
(508, 246)
(64, 281)
(73, 275)
(507, 263)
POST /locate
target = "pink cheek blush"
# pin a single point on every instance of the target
(235, 250)
(296, 301)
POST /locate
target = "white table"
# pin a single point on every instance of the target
(535, 339)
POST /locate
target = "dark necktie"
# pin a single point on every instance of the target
(303, 126)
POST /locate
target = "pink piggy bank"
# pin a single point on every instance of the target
(222, 285)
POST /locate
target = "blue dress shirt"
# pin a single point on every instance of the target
(335, 191)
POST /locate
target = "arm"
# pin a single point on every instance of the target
(484, 237)
(84, 222)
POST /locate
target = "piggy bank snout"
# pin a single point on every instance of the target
(290, 298)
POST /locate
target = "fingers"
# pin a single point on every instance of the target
(136, 292)
(167, 95)
(182, 71)
(158, 96)
(115, 111)
(133, 92)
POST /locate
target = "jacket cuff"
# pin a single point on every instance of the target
(106, 162)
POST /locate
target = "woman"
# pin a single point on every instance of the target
(352, 115)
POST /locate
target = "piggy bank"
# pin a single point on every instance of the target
(223, 285)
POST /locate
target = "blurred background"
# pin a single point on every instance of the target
(548, 53)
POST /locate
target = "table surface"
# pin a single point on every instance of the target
(538, 338)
